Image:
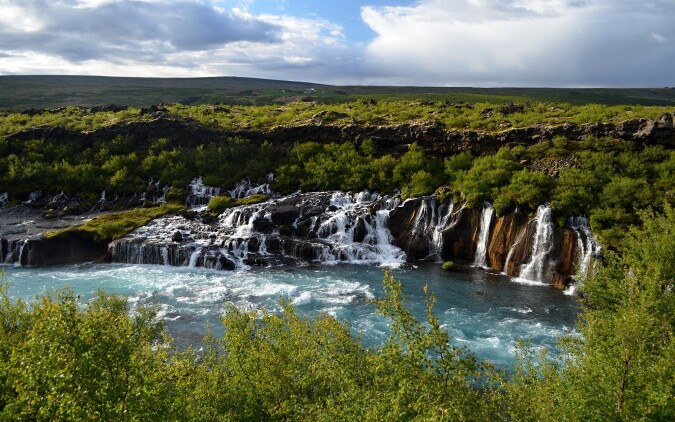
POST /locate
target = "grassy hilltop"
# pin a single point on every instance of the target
(21, 92)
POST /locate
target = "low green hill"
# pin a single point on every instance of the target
(23, 92)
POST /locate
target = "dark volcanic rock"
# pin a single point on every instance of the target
(459, 240)
(402, 227)
(43, 252)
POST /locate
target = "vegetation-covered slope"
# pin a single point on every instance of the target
(550, 156)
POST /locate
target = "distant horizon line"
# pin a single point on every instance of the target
(332, 85)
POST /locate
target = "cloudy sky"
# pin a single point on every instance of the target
(581, 43)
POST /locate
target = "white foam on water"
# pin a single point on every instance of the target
(529, 282)
(189, 298)
(522, 310)
(304, 298)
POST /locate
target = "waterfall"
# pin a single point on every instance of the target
(11, 251)
(353, 235)
(17, 262)
(60, 198)
(33, 196)
(484, 236)
(4, 198)
(441, 219)
(246, 188)
(323, 227)
(430, 222)
(587, 247)
(198, 194)
(194, 257)
(541, 247)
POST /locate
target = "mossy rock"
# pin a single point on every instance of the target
(449, 266)
(107, 228)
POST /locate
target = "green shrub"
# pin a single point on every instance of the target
(253, 199)
(218, 204)
(449, 266)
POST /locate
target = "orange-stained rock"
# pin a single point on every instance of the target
(506, 231)
(567, 252)
(521, 249)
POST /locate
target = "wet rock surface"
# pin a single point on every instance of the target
(321, 228)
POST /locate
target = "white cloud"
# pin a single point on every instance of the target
(429, 42)
(520, 42)
(165, 38)
(658, 38)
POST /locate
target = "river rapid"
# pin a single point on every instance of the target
(485, 311)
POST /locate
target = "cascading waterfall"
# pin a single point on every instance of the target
(346, 227)
(588, 247)
(480, 259)
(11, 251)
(353, 235)
(32, 197)
(541, 248)
(431, 220)
(424, 217)
(441, 219)
(198, 194)
(587, 250)
(246, 188)
(154, 192)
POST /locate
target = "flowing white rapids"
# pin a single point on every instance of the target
(198, 194)
(431, 220)
(246, 188)
(480, 259)
(541, 247)
(326, 227)
(487, 317)
(587, 250)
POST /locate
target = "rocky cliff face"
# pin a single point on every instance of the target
(333, 227)
(435, 138)
(535, 249)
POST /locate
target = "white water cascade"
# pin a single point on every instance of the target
(11, 251)
(587, 250)
(441, 219)
(541, 247)
(320, 227)
(587, 247)
(431, 220)
(198, 194)
(354, 235)
(480, 259)
(246, 188)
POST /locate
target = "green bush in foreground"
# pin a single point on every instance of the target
(62, 360)
(622, 367)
